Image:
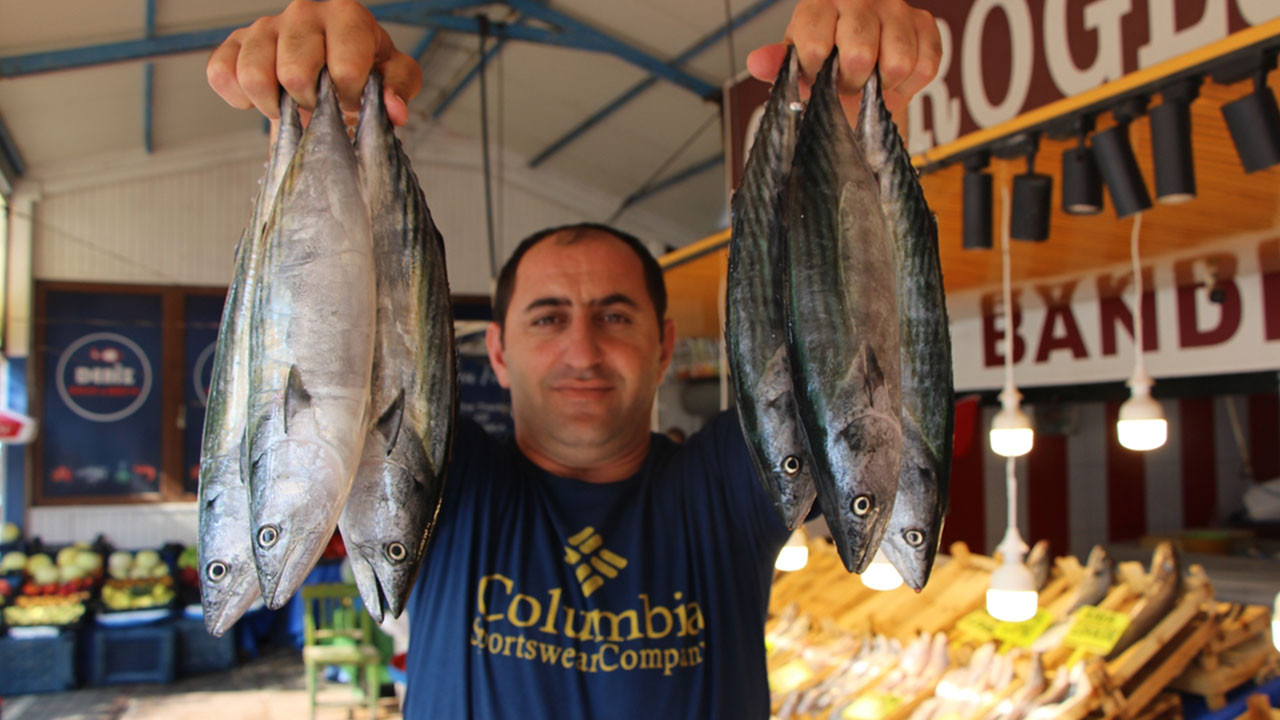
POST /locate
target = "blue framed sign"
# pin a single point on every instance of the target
(201, 316)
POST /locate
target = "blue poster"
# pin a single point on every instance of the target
(480, 397)
(201, 317)
(101, 397)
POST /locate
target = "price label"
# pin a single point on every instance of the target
(790, 677)
(1096, 630)
(1022, 634)
(979, 625)
(872, 706)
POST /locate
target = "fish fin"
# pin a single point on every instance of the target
(389, 422)
(296, 397)
(866, 380)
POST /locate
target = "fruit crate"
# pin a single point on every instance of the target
(199, 652)
(37, 665)
(133, 654)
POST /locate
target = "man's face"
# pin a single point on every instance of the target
(582, 351)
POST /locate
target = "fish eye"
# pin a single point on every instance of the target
(216, 570)
(914, 538)
(791, 465)
(396, 552)
(862, 505)
(268, 536)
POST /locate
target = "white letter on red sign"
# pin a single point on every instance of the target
(1256, 12)
(1167, 41)
(946, 109)
(1102, 17)
(1021, 59)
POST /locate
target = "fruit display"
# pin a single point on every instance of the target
(136, 581)
(76, 569)
(9, 533)
(46, 609)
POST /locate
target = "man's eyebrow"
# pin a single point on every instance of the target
(547, 302)
(615, 299)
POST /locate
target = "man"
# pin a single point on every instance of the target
(587, 568)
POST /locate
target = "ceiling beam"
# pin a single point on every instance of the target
(674, 178)
(471, 75)
(148, 82)
(424, 44)
(614, 46)
(617, 103)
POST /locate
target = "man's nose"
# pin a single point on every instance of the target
(582, 345)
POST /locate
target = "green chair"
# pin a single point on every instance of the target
(337, 631)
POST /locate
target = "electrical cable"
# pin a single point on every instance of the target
(728, 35)
(483, 22)
(653, 178)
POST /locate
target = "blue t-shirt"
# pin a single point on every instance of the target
(548, 597)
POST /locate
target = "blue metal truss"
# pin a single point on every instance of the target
(148, 82)
(471, 75)
(673, 179)
(424, 44)
(614, 105)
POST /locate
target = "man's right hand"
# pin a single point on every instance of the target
(288, 50)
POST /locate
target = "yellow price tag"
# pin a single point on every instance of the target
(1022, 634)
(1096, 630)
(790, 676)
(872, 706)
(979, 625)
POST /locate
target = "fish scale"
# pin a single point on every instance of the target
(843, 336)
(399, 485)
(755, 310)
(928, 405)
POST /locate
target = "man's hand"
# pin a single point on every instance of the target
(289, 49)
(903, 40)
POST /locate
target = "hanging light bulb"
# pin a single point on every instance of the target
(795, 554)
(881, 574)
(1011, 433)
(1275, 623)
(1141, 425)
(1012, 596)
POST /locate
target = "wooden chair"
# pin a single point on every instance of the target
(337, 631)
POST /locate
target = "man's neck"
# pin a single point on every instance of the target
(588, 466)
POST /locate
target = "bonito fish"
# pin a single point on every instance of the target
(228, 577)
(311, 355)
(844, 328)
(755, 309)
(928, 404)
(1164, 586)
(398, 487)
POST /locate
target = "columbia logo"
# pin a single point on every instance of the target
(592, 569)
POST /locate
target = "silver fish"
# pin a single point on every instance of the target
(228, 577)
(755, 309)
(1164, 586)
(844, 329)
(928, 394)
(1038, 562)
(398, 487)
(1096, 582)
(311, 355)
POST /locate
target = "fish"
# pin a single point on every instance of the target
(1093, 588)
(1038, 563)
(843, 338)
(310, 355)
(399, 485)
(1164, 586)
(928, 390)
(1015, 706)
(755, 308)
(224, 550)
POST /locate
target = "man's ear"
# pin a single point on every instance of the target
(497, 358)
(668, 344)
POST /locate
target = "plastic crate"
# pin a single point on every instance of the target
(142, 654)
(37, 665)
(199, 652)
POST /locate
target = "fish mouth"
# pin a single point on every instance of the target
(279, 589)
(230, 605)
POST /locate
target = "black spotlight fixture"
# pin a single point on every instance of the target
(1081, 181)
(1171, 143)
(1119, 166)
(1032, 200)
(1254, 122)
(977, 203)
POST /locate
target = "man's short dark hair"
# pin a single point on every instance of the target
(653, 279)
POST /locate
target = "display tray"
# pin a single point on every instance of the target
(126, 618)
(29, 632)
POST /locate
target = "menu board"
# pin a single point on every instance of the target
(101, 424)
